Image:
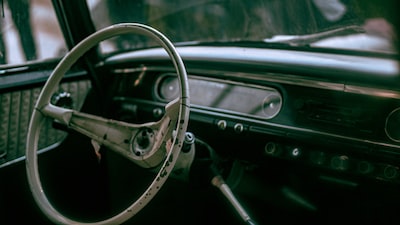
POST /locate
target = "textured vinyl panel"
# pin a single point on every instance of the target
(15, 112)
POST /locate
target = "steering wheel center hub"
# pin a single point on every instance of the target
(143, 141)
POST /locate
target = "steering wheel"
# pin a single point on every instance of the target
(149, 145)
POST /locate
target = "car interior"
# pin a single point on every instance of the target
(199, 112)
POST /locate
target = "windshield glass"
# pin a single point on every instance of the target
(338, 24)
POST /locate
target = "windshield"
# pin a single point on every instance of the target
(337, 24)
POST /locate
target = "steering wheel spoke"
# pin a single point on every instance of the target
(145, 144)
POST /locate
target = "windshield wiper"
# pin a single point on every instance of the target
(236, 43)
(279, 41)
(306, 40)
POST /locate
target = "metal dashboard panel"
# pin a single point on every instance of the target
(225, 96)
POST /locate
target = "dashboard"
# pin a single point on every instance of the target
(258, 110)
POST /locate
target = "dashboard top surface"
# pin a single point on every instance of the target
(367, 65)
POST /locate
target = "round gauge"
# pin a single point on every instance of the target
(392, 126)
(169, 88)
(272, 105)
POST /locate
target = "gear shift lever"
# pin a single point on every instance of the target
(219, 182)
(206, 171)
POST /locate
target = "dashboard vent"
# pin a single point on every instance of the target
(329, 116)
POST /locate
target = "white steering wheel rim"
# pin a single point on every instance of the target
(50, 87)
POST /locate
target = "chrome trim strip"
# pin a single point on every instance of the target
(372, 91)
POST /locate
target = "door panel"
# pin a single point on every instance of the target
(15, 111)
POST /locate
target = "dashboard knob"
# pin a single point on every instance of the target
(238, 128)
(271, 148)
(296, 152)
(157, 113)
(222, 124)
